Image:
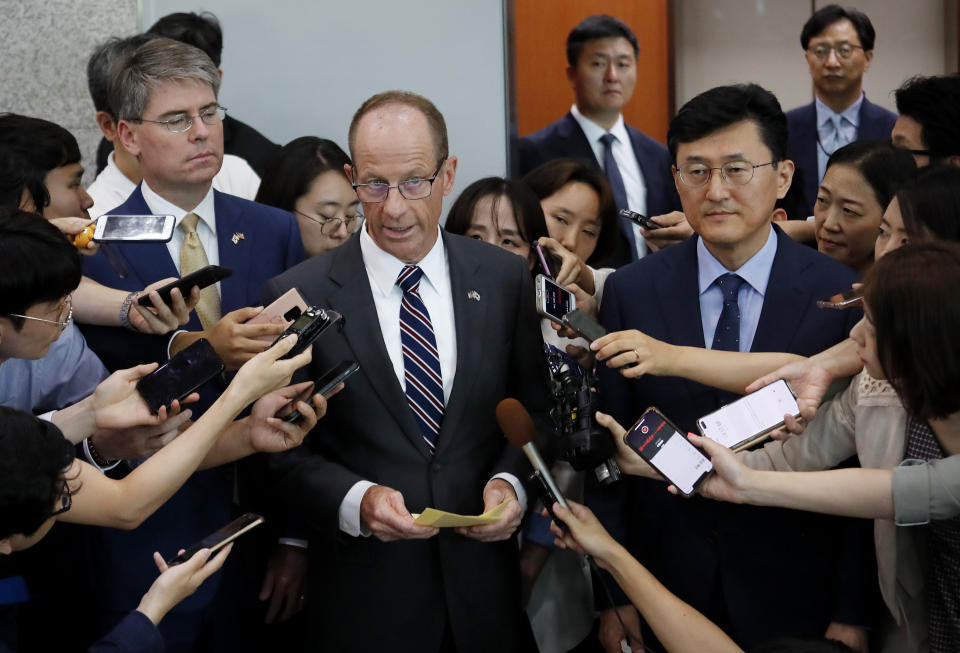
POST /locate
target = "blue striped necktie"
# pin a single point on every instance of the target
(421, 360)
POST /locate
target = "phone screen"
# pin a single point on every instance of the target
(181, 375)
(135, 227)
(749, 416)
(219, 539)
(668, 451)
(553, 299)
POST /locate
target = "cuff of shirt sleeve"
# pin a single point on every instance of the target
(172, 336)
(47, 417)
(350, 522)
(292, 541)
(90, 459)
(911, 493)
(517, 487)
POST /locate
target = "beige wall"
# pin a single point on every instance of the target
(725, 41)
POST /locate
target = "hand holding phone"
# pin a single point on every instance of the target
(750, 419)
(667, 450)
(322, 386)
(640, 219)
(219, 539)
(308, 326)
(206, 276)
(181, 375)
(553, 300)
(283, 311)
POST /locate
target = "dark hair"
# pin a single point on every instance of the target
(910, 295)
(600, 26)
(548, 178)
(884, 167)
(199, 30)
(17, 176)
(44, 145)
(33, 457)
(826, 16)
(37, 263)
(294, 167)
(100, 63)
(435, 121)
(801, 645)
(723, 106)
(934, 102)
(930, 203)
(525, 204)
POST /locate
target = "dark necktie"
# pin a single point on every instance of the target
(619, 190)
(421, 360)
(727, 335)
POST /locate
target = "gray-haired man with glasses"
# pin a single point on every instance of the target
(838, 45)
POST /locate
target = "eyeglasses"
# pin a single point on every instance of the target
(914, 152)
(66, 501)
(63, 319)
(183, 122)
(738, 173)
(843, 50)
(411, 189)
(330, 225)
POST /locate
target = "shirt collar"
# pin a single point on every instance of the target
(383, 268)
(160, 206)
(593, 131)
(755, 271)
(851, 113)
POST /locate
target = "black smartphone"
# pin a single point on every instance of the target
(553, 300)
(640, 219)
(327, 382)
(668, 451)
(583, 324)
(308, 327)
(181, 375)
(202, 278)
(221, 538)
(134, 228)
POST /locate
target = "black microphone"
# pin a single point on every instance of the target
(518, 426)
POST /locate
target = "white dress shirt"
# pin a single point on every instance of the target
(626, 159)
(382, 272)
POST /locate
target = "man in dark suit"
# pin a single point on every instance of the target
(838, 45)
(742, 285)
(415, 427)
(173, 127)
(602, 56)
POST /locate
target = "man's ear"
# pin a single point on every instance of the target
(127, 137)
(571, 73)
(450, 173)
(6, 546)
(107, 125)
(784, 177)
(779, 215)
(867, 58)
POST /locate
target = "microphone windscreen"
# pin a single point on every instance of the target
(515, 422)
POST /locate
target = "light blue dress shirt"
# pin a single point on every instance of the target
(849, 128)
(756, 273)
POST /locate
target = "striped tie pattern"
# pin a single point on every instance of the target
(421, 361)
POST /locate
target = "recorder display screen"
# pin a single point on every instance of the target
(668, 451)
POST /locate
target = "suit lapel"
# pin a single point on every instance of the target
(809, 139)
(785, 301)
(578, 147)
(237, 255)
(354, 300)
(471, 295)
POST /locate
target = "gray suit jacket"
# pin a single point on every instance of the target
(365, 593)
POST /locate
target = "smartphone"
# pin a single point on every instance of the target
(546, 260)
(283, 310)
(181, 375)
(553, 300)
(640, 219)
(583, 324)
(842, 300)
(327, 382)
(134, 228)
(221, 538)
(667, 450)
(206, 276)
(750, 419)
(308, 327)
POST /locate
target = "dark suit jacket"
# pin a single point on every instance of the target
(271, 244)
(365, 593)
(875, 122)
(774, 571)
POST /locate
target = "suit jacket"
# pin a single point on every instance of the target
(364, 592)
(711, 553)
(271, 244)
(875, 123)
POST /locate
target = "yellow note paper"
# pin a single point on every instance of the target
(444, 519)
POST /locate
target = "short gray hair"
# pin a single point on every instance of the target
(133, 78)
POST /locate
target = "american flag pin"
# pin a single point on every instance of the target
(474, 295)
(237, 237)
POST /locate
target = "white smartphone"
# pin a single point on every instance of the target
(750, 419)
(134, 228)
(553, 300)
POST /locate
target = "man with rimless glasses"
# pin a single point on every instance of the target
(838, 45)
(739, 284)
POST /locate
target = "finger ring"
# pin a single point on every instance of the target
(303, 597)
(637, 354)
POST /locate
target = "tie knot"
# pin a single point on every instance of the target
(409, 278)
(189, 223)
(608, 139)
(729, 284)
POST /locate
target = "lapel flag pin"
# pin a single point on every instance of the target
(474, 295)
(237, 237)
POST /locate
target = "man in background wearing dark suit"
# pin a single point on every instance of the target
(742, 285)
(602, 56)
(838, 45)
(443, 328)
